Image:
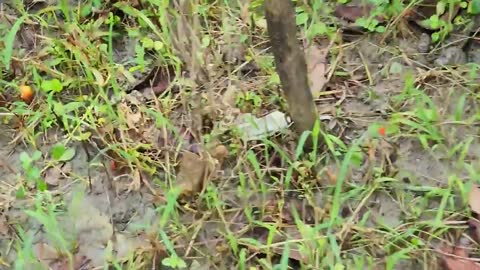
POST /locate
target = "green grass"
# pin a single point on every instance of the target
(274, 206)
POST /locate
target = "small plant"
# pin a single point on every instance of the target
(32, 172)
(249, 101)
(45, 213)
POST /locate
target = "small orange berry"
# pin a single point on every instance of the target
(381, 131)
(26, 93)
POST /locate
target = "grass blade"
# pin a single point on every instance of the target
(9, 41)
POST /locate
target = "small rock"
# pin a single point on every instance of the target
(452, 56)
(424, 43)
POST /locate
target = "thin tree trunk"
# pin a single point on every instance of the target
(290, 64)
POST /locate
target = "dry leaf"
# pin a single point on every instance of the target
(136, 183)
(220, 153)
(132, 118)
(45, 254)
(157, 81)
(474, 199)
(459, 260)
(53, 175)
(317, 68)
(53, 260)
(228, 97)
(125, 246)
(193, 172)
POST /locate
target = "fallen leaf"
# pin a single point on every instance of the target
(317, 68)
(258, 128)
(53, 260)
(157, 81)
(132, 118)
(53, 175)
(459, 260)
(126, 246)
(474, 199)
(228, 97)
(220, 153)
(45, 254)
(136, 183)
(193, 173)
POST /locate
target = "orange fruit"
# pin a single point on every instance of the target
(26, 93)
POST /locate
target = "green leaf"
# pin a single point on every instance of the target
(302, 18)
(174, 262)
(57, 151)
(474, 7)
(33, 174)
(434, 22)
(147, 43)
(41, 185)
(10, 39)
(380, 29)
(20, 194)
(68, 155)
(319, 28)
(158, 45)
(125, 7)
(61, 153)
(52, 85)
(395, 68)
(36, 155)
(86, 10)
(205, 41)
(25, 159)
(435, 37)
(441, 7)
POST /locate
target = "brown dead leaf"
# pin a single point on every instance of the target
(125, 246)
(132, 118)
(53, 260)
(317, 68)
(456, 258)
(193, 173)
(157, 81)
(137, 181)
(220, 153)
(45, 254)
(53, 175)
(474, 199)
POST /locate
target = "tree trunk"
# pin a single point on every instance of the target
(290, 64)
